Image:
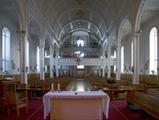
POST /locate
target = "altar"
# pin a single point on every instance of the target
(50, 99)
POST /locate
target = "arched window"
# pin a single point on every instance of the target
(38, 59)
(122, 59)
(153, 51)
(132, 45)
(27, 54)
(114, 55)
(80, 42)
(6, 49)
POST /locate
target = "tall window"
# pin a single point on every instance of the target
(6, 49)
(153, 51)
(122, 59)
(132, 45)
(114, 55)
(27, 54)
(38, 58)
(80, 43)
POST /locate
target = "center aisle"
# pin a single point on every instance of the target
(79, 85)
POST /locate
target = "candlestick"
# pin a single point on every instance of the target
(52, 87)
(58, 86)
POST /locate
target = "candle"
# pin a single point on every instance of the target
(52, 86)
(58, 86)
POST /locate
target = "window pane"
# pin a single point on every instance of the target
(6, 49)
(38, 60)
(153, 51)
(132, 45)
(122, 59)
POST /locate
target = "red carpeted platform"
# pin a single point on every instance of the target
(118, 111)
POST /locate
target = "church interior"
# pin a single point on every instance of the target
(79, 59)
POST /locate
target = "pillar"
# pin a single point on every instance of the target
(42, 67)
(109, 63)
(103, 71)
(118, 62)
(57, 63)
(136, 58)
(51, 61)
(22, 45)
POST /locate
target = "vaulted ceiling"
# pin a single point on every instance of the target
(66, 16)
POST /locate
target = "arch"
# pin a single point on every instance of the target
(101, 28)
(139, 16)
(124, 35)
(80, 29)
(101, 35)
(124, 29)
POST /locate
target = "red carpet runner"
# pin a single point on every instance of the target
(118, 111)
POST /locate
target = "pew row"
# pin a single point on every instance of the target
(145, 102)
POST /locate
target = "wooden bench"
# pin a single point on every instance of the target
(146, 102)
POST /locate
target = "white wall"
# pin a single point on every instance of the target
(144, 40)
(14, 42)
(33, 53)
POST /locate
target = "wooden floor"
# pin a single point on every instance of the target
(79, 85)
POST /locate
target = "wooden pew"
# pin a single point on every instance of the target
(146, 102)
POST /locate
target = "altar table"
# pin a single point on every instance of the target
(75, 94)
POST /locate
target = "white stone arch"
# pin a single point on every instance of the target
(138, 17)
(123, 26)
(136, 33)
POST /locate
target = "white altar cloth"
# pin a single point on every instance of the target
(72, 94)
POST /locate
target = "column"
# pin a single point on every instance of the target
(51, 61)
(118, 62)
(57, 63)
(109, 63)
(42, 67)
(109, 71)
(136, 58)
(103, 62)
(22, 45)
(157, 53)
(103, 71)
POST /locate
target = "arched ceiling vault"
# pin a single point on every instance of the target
(62, 13)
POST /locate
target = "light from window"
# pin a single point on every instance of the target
(114, 56)
(114, 68)
(153, 51)
(122, 59)
(132, 45)
(6, 49)
(80, 43)
(80, 66)
(27, 54)
(46, 54)
(38, 59)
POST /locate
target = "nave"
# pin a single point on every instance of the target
(102, 53)
(79, 85)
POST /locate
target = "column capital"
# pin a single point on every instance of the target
(137, 33)
(21, 32)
